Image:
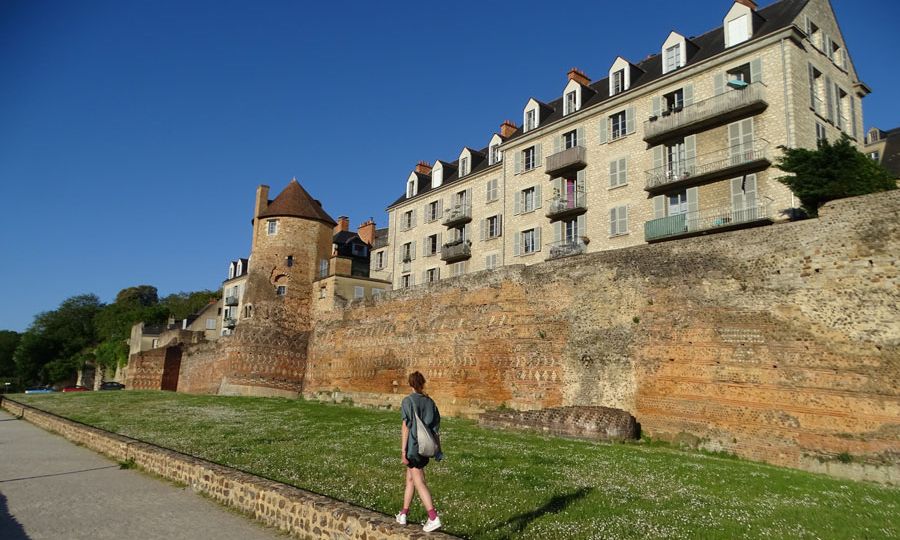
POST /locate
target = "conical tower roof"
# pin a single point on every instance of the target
(294, 201)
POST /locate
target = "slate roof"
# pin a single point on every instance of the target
(381, 238)
(294, 201)
(766, 21)
(344, 237)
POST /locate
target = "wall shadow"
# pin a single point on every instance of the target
(10, 528)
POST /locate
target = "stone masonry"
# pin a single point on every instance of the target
(599, 423)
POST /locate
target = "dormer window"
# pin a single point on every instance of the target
(530, 119)
(437, 175)
(231, 271)
(412, 185)
(494, 154)
(463, 166)
(738, 24)
(571, 103)
(618, 82)
(672, 58)
(620, 75)
(240, 264)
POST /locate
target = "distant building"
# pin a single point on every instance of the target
(233, 294)
(884, 147)
(202, 325)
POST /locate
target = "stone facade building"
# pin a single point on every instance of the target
(678, 144)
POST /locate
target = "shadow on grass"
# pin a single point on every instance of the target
(518, 523)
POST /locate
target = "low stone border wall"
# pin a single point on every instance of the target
(583, 422)
(301, 513)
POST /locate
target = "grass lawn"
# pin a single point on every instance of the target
(495, 484)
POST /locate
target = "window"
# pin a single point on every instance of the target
(529, 241)
(463, 166)
(821, 135)
(874, 156)
(323, 268)
(618, 172)
(674, 101)
(406, 251)
(272, 227)
(495, 156)
(406, 281)
(815, 90)
(379, 260)
(675, 159)
(231, 271)
(490, 261)
(458, 269)
(529, 157)
(281, 290)
(431, 245)
(377, 292)
(618, 124)
(528, 199)
(323, 292)
(815, 36)
(493, 190)
(618, 221)
(433, 211)
(358, 292)
(571, 103)
(672, 58)
(570, 231)
(407, 220)
(570, 139)
(676, 203)
(289, 262)
(492, 227)
(618, 82)
(410, 188)
(154, 343)
(210, 324)
(358, 250)
(842, 108)
(741, 73)
(432, 275)
(530, 119)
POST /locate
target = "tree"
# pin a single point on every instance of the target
(183, 304)
(832, 171)
(9, 340)
(114, 322)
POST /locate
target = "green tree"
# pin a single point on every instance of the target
(181, 305)
(9, 340)
(114, 322)
(832, 171)
(143, 295)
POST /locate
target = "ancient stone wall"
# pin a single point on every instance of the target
(780, 344)
(146, 370)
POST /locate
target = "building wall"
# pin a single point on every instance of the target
(744, 340)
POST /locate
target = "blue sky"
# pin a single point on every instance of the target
(133, 134)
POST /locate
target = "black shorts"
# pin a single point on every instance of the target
(417, 462)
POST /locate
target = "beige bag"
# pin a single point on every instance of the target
(427, 445)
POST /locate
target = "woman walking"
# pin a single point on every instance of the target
(417, 406)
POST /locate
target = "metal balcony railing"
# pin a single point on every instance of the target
(459, 214)
(230, 322)
(231, 300)
(565, 248)
(569, 159)
(705, 167)
(567, 205)
(456, 251)
(697, 222)
(702, 114)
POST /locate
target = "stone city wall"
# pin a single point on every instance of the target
(297, 512)
(779, 344)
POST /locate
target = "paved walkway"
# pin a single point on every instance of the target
(51, 488)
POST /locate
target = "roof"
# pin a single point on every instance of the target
(890, 156)
(381, 238)
(294, 201)
(767, 21)
(344, 237)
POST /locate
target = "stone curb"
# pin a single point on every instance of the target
(300, 513)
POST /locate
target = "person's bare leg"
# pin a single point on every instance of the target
(410, 486)
(418, 476)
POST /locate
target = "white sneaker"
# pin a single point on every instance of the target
(432, 524)
(401, 518)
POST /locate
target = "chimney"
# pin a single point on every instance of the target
(578, 76)
(423, 167)
(262, 200)
(366, 232)
(749, 3)
(508, 129)
(343, 224)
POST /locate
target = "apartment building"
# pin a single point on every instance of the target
(233, 295)
(883, 146)
(678, 144)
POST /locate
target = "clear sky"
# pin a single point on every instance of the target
(133, 134)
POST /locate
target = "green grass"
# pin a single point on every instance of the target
(495, 484)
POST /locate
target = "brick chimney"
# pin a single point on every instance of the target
(366, 232)
(508, 129)
(749, 3)
(343, 224)
(423, 167)
(578, 76)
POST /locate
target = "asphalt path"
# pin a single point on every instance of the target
(51, 488)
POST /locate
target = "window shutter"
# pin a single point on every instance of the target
(440, 208)
(413, 220)
(518, 162)
(469, 199)
(483, 226)
(604, 130)
(659, 206)
(517, 238)
(808, 25)
(557, 143)
(838, 110)
(719, 84)
(693, 201)
(537, 154)
(623, 220)
(412, 250)
(557, 188)
(656, 105)
(756, 70)
(517, 200)
(750, 191)
(465, 232)
(426, 217)
(579, 136)
(629, 120)
(412, 280)
(845, 60)
(829, 51)
(557, 232)
(537, 196)
(658, 157)
(737, 194)
(612, 221)
(688, 94)
(829, 99)
(613, 173)
(690, 153)
(853, 116)
(623, 171)
(812, 87)
(487, 191)
(424, 276)
(499, 224)
(440, 244)
(580, 183)
(582, 227)
(537, 238)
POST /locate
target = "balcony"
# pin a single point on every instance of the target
(570, 159)
(456, 251)
(406, 266)
(725, 163)
(460, 214)
(697, 223)
(715, 111)
(231, 300)
(567, 205)
(565, 248)
(230, 322)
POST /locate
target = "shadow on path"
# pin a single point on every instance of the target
(556, 504)
(56, 474)
(10, 528)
